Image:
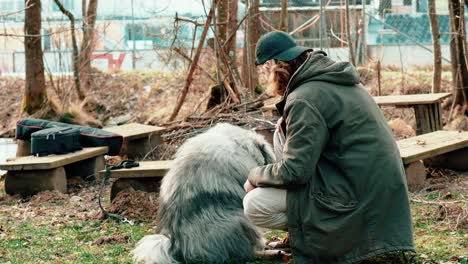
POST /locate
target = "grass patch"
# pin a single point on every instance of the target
(59, 231)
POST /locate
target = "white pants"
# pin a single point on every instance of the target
(266, 207)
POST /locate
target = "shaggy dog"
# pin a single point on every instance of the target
(201, 219)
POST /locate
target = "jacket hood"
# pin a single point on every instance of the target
(319, 67)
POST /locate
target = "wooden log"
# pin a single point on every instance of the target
(27, 183)
(415, 175)
(23, 148)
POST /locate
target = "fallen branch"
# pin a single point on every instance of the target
(437, 202)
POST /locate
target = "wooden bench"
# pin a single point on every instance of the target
(426, 109)
(139, 139)
(28, 175)
(146, 177)
(431, 147)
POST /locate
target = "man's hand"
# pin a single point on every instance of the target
(248, 186)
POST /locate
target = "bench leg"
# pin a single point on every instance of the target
(26, 183)
(138, 148)
(23, 148)
(415, 175)
(87, 169)
(428, 118)
(141, 184)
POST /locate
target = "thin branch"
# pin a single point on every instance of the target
(34, 35)
(185, 56)
(234, 31)
(17, 11)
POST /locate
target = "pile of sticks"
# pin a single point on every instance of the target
(246, 115)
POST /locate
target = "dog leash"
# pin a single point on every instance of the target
(125, 164)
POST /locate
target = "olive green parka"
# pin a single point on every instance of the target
(347, 197)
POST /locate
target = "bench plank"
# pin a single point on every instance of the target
(135, 131)
(51, 161)
(431, 144)
(146, 169)
(410, 99)
(395, 100)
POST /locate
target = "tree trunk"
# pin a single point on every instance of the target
(221, 32)
(437, 74)
(87, 44)
(76, 69)
(249, 71)
(221, 19)
(284, 16)
(230, 45)
(35, 93)
(458, 52)
(348, 35)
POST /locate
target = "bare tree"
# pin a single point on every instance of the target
(89, 12)
(76, 69)
(458, 53)
(437, 73)
(35, 93)
(230, 44)
(249, 70)
(283, 26)
(348, 34)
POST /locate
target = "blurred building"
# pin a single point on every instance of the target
(136, 34)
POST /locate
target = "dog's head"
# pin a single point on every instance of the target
(253, 143)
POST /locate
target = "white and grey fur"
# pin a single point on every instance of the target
(201, 219)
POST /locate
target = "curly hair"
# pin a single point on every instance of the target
(280, 73)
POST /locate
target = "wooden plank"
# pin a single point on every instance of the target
(146, 169)
(410, 99)
(438, 111)
(419, 120)
(393, 100)
(427, 117)
(431, 113)
(425, 122)
(134, 130)
(51, 161)
(431, 144)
